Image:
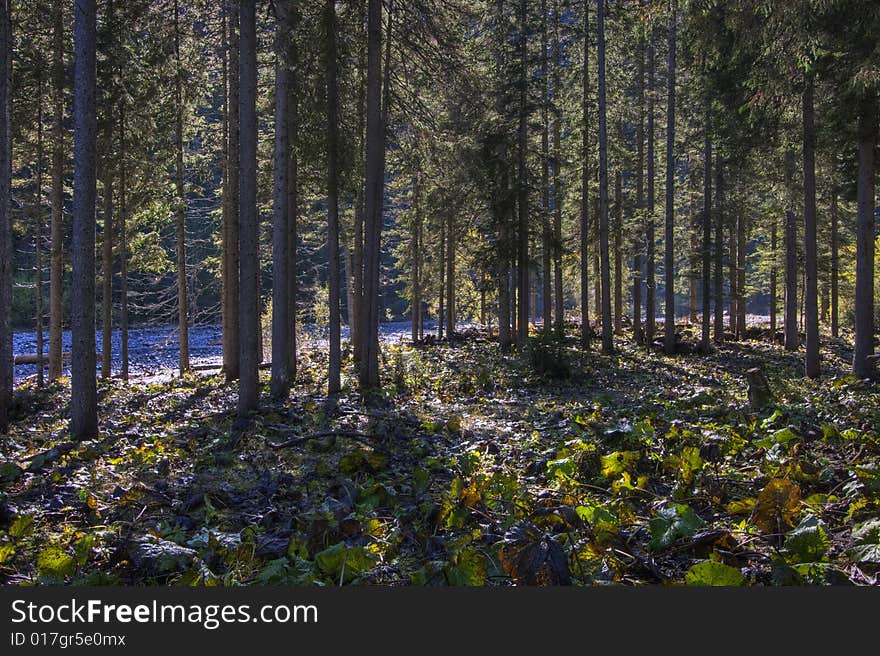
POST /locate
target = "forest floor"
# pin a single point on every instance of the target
(550, 466)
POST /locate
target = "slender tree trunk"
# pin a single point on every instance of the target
(84, 399)
(791, 268)
(450, 277)
(585, 185)
(607, 334)
(733, 296)
(232, 291)
(38, 238)
(292, 198)
(248, 238)
(719, 249)
(441, 276)
(333, 385)
(706, 253)
(546, 237)
(123, 250)
(618, 252)
(6, 357)
(522, 182)
(226, 208)
(359, 211)
(280, 381)
(180, 209)
(650, 238)
(557, 177)
(107, 278)
(502, 202)
(415, 256)
(373, 194)
(835, 263)
(741, 276)
(640, 192)
(864, 306)
(811, 266)
(773, 269)
(669, 262)
(56, 265)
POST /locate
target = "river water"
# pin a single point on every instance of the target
(153, 350)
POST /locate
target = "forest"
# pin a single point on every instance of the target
(439, 292)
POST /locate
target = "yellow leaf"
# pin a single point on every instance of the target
(776, 507)
(741, 506)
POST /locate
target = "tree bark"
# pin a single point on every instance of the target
(707, 233)
(6, 357)
(441, 277)
(607, 328)
(56, 265)
(650, 238)
(248, 238)
(232, 289)
(522, 324)
(292, 196)
(280, 375)
(123, 250)
(864, 301)
(557, 177)
(373, 195)
(84, 399)
(546, 237)
(38, 238)
(741, 275)
(719, 250)
(618, 252)
(773, 274)
(180, 209)
(107, 277)
(415, 255)
(669, 261)
(791, 272)
(640, 191)
(450, 276)
(334, 371)
(835, 263)
(811, 267)
(585, 185)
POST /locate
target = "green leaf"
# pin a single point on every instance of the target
(809, 542)
(614, 464)
(691, 464)
(712, 573)
(7, 551)
(676, 521)
(347, 562)
(866, 542)
(54, 562)
(561, 468)
(22, 525)
(467, 568)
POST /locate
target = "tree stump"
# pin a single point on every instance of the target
(760, 395)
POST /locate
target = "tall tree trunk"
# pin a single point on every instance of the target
(226, 202)
(292, 197)
(280, 381)
(359, 211)
(585, 185)
(669, 261)
(441, 277)
(38, 238)
(864, 306)
(232, 290)
(334, 371)
(741, 275)
(6, 357)
(811, 266)
(180, 209)
(522, 325)
(546, 237)
(248, 238)
(607, 328)
(773, 269)
(733, 295)
(123, 250)
(56, 265)
(791, 268)
(706, 253)
(107, 277)
(373, 194)
(650, 238)
(835, 263)
(415, 255)
(618, 252)
(450, 276)
(719, 249)
(84, 398)
(557, 177)
(640, 192)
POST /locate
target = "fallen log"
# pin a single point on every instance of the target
(32, 358)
